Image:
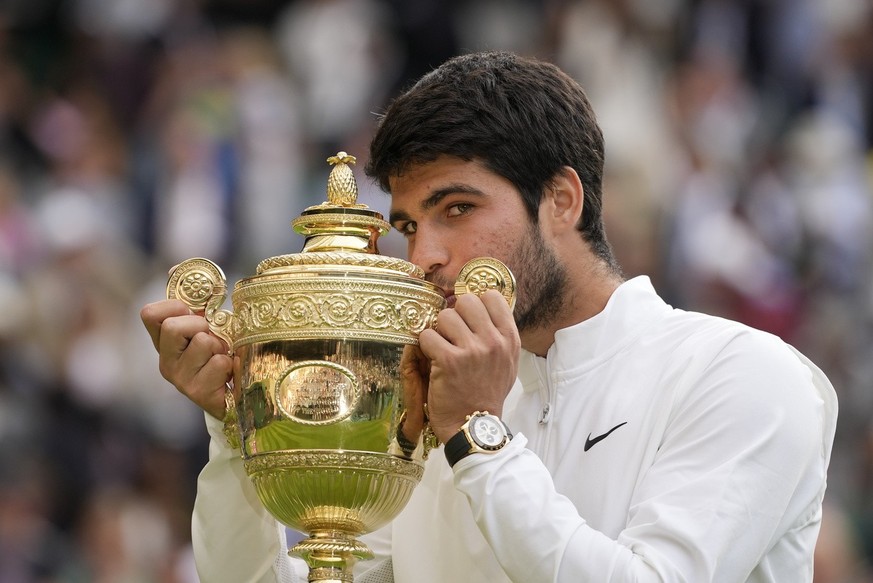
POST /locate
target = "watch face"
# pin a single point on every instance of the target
(487, 431)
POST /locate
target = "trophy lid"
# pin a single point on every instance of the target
(338, 287)
(340, 231)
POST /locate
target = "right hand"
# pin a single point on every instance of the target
(193, 359)
(473, 358)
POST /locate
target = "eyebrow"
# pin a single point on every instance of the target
(434, 199)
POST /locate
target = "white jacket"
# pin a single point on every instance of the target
(652, 444)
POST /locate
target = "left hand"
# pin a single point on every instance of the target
(474, 360)
(414, 375)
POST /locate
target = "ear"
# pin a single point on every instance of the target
(563, 200)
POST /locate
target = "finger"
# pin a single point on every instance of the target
(414, 367)
(413, 362)
(176, 333)
(471, 320)
(499, 312)
(475, 314)
(186, 346)
(200, 371)
(451, 333)
(179, 366)
(210, 384)
(154, 314)
(414, 370)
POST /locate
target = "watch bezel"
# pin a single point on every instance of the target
(486, 418)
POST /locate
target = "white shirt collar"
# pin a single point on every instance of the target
(631, 309)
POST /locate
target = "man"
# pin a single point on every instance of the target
(650, 444)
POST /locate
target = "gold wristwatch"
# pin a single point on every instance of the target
(481, 433)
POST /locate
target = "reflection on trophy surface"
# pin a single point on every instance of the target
(317, 339)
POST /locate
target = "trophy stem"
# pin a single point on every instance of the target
(330, 555)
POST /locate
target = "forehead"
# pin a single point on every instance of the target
(446, 175)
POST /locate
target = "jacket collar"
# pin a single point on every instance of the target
(633, 307)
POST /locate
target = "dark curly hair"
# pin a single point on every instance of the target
(524, 119)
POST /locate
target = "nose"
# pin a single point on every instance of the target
(428, 252)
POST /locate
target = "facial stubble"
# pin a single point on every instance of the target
(542, 282)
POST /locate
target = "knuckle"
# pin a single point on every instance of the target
(493, 342)
(147, 314)
(491, 296)
(222, 363)
(167, 370)
(171, 327)
(447, 313)
(468, 302)
(185, 324)
(199, 342)
(204, 342)
(464, 300)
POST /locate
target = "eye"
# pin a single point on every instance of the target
(459, 209)
(407, 228)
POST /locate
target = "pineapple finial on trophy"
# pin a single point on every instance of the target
(342, 190)
(341, 223)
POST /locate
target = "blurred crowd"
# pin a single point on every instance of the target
(137, 133)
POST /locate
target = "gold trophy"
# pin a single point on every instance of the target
(317, 338)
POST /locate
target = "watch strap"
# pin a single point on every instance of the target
(457, 448)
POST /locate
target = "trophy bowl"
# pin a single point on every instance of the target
(317, 339)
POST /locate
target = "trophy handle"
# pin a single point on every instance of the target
(202, 286)
(483, 273)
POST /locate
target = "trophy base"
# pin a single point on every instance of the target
(330, 555)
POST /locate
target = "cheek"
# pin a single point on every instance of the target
(498, 243)
(526, 261)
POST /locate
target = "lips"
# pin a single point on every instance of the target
(446, 286)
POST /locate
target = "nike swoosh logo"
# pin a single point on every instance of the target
(589, 443)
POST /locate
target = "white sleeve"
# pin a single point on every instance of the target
(233, 535)
(236, 539)
(743, 462)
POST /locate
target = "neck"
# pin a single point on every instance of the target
(586, 295)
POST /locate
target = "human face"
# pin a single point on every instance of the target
(451, 211)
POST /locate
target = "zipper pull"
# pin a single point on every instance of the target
(546, 413)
